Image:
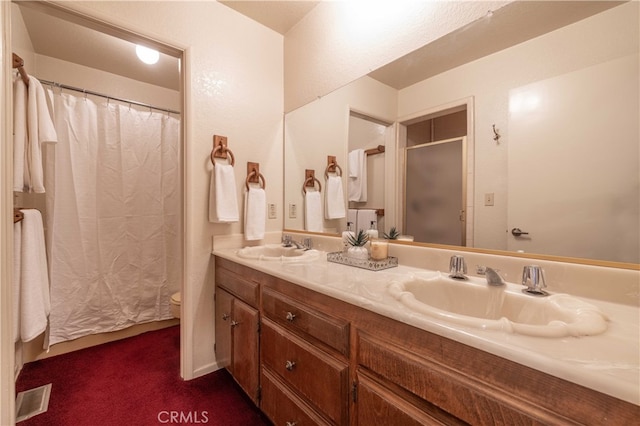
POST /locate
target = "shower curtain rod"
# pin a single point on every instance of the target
(89, 92)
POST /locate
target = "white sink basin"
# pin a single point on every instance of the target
(277, 252)
(474, 303)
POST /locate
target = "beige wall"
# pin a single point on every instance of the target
(331, 47)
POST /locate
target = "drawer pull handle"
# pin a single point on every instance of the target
(289, 365)
(234, 323)
(291, 423)
(291, 316)
(225, 317)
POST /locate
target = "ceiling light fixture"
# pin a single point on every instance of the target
(146, 55)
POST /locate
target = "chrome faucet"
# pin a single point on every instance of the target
(306, 244)
(492, 275)
(533, 278)
(457, 267)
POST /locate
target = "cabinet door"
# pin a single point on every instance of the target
(224, 303)
(244, 334)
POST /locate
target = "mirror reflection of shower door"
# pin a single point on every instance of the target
(435, 192)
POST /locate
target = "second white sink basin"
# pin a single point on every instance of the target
(474, 303)
(277, 252)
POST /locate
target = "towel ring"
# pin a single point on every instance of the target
(338, 171)
(260, 177)
(311, 180)
(221, 148)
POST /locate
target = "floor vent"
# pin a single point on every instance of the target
(32, 402)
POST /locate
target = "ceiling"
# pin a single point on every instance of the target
(280, 16)
(515, 23)
(59, 38)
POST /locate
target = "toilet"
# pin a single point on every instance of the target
(175, 304)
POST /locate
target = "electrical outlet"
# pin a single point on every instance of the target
(293, 211)
(272, 211)
(488, 199)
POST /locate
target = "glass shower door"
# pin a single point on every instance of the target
(435, 192)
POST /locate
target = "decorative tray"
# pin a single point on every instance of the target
(370, 264)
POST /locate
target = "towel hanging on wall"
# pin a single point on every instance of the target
(255, 214)
(32, 126)
(223, 203)
(313, 211)
(334, 198)
(357, 185)
(31, 281)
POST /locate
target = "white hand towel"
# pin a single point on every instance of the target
(354, 162)
(334, 201)
(19, 132)
(352, 216)
(33, 126)
(313, 211)
(223, 204)
(365, 217)
(35, 302)
(255, 214)
(41, 130)
(357, 185)
(17, 278)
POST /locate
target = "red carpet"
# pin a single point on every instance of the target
(135, 381)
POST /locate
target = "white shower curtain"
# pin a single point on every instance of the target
(113, 216)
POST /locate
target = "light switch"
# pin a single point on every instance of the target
(488, 199)
(272, 211)
(293, 211)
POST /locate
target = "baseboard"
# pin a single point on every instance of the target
(32, 351)
(205, 369)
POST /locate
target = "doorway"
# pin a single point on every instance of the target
(435, 177)
(121, 86)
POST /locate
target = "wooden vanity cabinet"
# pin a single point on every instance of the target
(327, 362)
(304, 352)
(237, 325)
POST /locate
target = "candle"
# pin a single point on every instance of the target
(379, 249)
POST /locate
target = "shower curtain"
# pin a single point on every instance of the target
(113, 216)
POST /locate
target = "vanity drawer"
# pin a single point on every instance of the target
(467, 399)
(247, 291)
(314, 375)
(282, 406)
(299, 318)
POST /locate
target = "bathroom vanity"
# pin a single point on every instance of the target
(320, 343)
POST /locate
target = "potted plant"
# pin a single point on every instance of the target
(393, 234)
(357, 247)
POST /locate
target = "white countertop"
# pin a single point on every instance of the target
(608, 363)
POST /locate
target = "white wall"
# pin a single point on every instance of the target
(234, 88)
(332, 46)
(604, 37)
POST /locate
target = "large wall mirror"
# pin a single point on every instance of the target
(552, 136)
